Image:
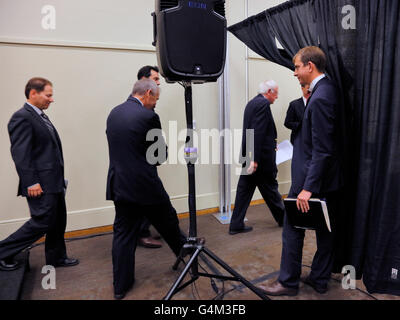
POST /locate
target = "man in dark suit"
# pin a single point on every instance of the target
(295, 112)
(316, 173)
(258, 127)
(37, 153)
(133, 183)
(145, 238)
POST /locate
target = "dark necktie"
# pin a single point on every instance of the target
(47, 122)
(53, 133)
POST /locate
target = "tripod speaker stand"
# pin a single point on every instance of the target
(195, 246)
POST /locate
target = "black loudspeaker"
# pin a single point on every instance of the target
(190, 39)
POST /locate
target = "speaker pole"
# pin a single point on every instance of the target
(191, 158)
(195, 246)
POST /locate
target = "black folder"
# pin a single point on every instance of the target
(316, 217)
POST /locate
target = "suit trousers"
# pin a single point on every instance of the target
(268, 186)
(145, 229)
(128, 221)
(292, 248)
(48, 217)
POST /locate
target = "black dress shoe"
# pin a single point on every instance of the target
(9, 265)
(119, 296)
(277, 289)
(319, 288)
(243, 230)
(149, 242)
(67, 262)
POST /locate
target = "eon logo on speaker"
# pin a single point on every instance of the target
(197, 5)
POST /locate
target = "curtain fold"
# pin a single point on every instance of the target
(376, 246)
(257, 34)
(294, 25)
(338, 43)
(361, 39)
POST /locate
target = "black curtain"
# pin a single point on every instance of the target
(376, 242)
(257, 34)
(302, 29)
(338, 42)
(363, 59)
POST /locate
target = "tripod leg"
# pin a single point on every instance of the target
(174, 287)
(240, 278)
(177, 262)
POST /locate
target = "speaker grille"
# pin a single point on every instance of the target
(219, 7)
(167, 4)
(191, 39)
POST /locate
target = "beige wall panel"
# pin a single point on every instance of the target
(88, 83)
(238, 86)
(114, 23)
(92, 58)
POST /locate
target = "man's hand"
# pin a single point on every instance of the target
(252, 168)
(302, 201)
(35, 191)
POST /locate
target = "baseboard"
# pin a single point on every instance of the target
(93, 218)
(104, 216)
(109, 228)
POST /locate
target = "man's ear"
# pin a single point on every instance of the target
(32, 93)
(312, 66)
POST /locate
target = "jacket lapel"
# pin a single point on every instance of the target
(309, 99)
(315, 89)
(41, 122)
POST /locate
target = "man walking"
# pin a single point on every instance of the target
(37, 154)
(259, 124)
(133, 182)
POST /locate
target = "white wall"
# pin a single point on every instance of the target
(92, 58)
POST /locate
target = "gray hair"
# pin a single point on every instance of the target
(142, 86)
(266, 86)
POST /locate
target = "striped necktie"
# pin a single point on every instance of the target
(47, 122)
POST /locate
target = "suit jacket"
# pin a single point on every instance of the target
(258, 116)
(36, 152)
(315, 163)
(294, 117)
(131, 178)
